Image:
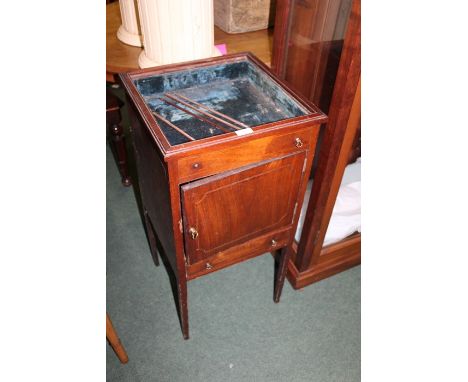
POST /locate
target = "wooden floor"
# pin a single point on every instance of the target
(259, 43)
(121, 57)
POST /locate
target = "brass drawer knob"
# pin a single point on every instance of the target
(299, 142)
(209, 266)
(193, 232)
(274, 243)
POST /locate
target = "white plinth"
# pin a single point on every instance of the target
(127, 37)
(128, 32)
(176, 31)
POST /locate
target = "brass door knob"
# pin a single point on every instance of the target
(193, 232)
(299, 142)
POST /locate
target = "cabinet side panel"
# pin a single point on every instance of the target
(153, 183)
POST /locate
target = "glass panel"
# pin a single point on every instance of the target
(346, 216)
(315, 41)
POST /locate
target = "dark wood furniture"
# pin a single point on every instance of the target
(114, 341)
(306, 52)
(223, 151)
(116, 135)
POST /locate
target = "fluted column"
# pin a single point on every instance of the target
(176, 31)
(128, 31)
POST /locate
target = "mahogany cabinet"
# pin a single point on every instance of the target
(317, 50)
(223, 151)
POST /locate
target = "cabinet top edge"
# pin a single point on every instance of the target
(314, 117)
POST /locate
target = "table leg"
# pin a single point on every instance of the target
(183, 307)
(281, 273)
(114, 341)
(118, 141)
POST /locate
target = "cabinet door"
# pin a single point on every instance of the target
(228, 209)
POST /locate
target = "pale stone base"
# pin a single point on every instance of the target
(240, 16)
(128, 38)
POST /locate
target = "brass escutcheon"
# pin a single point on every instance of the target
(193, 233)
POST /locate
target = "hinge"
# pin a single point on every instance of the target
(181, 227)
(295, 208)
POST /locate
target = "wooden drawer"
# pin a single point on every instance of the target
(244, 153)
(242, 252)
